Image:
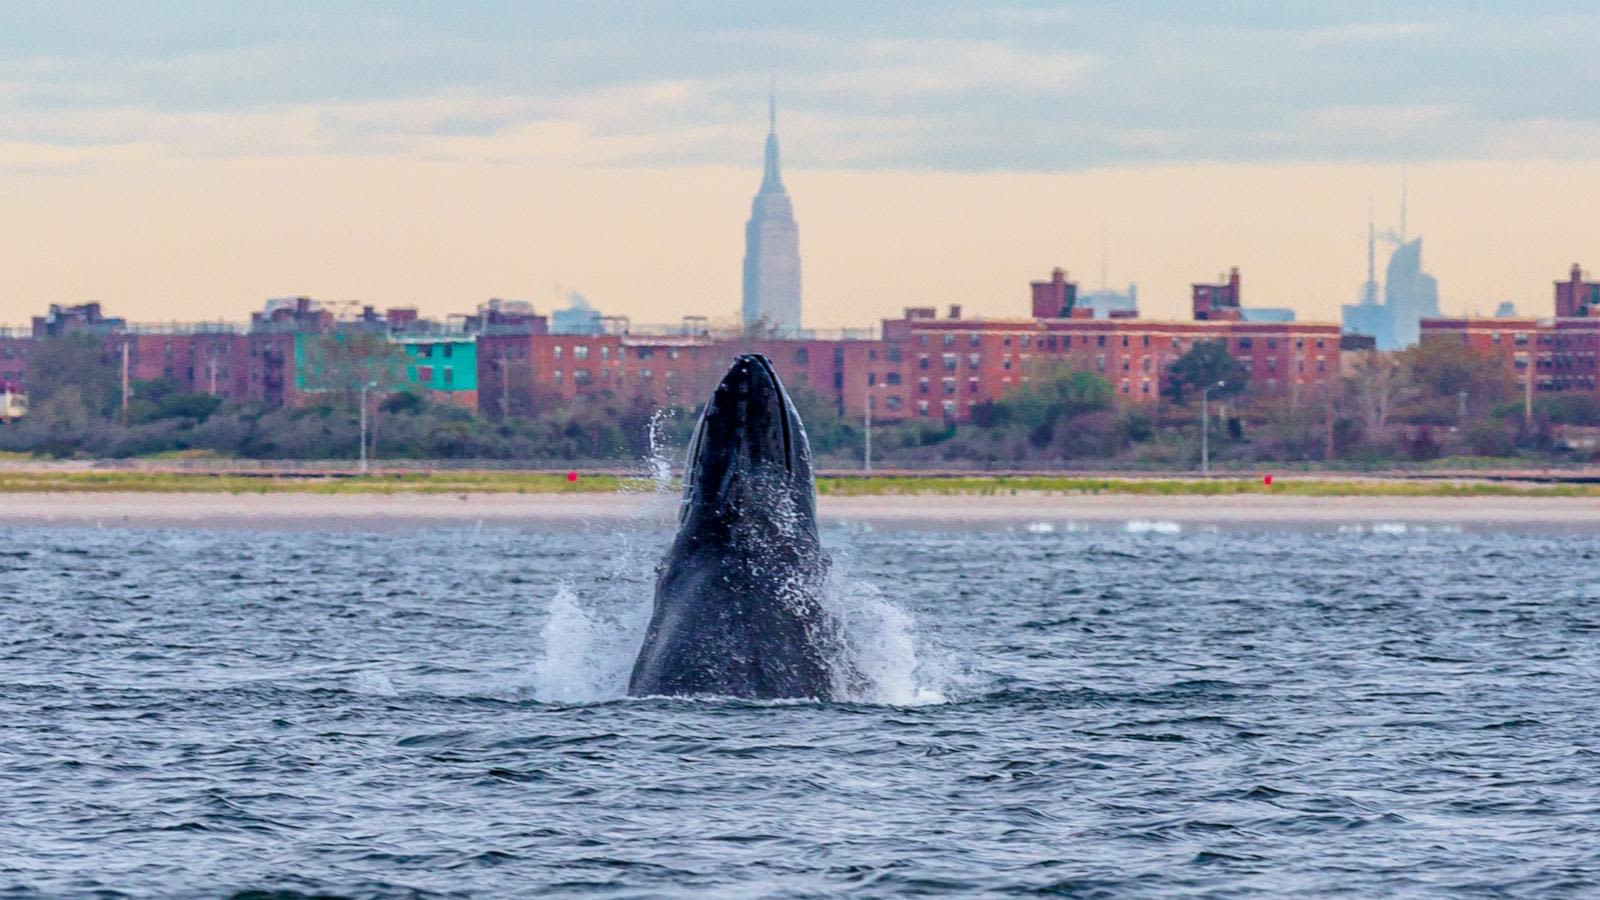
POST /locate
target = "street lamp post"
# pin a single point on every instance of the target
(1205, 426)
(866, 457)
(364, 388)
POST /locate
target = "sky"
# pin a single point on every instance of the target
(186, 160)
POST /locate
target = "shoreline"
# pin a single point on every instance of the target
(925, 511)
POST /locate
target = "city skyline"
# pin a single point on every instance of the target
(187, 165)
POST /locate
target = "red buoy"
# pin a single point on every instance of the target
(572, 478)
(1267, 480)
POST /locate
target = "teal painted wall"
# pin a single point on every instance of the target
(453, 363)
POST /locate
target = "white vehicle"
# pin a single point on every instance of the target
(12, 406)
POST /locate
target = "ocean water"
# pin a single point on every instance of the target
(1146, 709)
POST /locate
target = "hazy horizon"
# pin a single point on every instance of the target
(181, 162)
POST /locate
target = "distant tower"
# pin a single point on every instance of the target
(772, 249)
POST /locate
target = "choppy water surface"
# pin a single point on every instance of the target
(1143, 710)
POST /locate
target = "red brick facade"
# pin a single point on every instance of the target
(922, 366)
(1561, 350)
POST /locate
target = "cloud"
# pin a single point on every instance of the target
(892, 85)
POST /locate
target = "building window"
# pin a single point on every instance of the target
(579, 352)
(1272, 364)
(972, 340)
(556, 376)
(949, 362)
(949, 339)
(893, 354)
(949, 387)
(1124, 340)
(1100, 362)
(892, 402)
(605, 353)
(922, 361)
(646, 374)
(558, 351)
(949, 409)
(972, 360)
(581, 376)
(449, 375)
(972, 385)
(802, 356)
(447, 349)
(1100, 340)
(922, 407)
(872, 379)
(922, 385)
(891, 378)
(1145, 340)
(1005, 362)
(1272, 342)
(1494, 338)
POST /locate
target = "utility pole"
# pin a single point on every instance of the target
(364, 388)
(1205, 427)
(1327, 454)
(125, 390)
(505, 385)
(866, 465)
(1527, 394)
(1461, 409)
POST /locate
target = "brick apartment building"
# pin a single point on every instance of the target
(921, 366)
(1556, 354)
(503, 360)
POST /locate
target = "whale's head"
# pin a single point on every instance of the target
(749, 451)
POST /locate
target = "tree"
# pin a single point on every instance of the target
(75, 361)
(1051, 397)
(165, 398)
(1378, 383)
(1206, 363)
(1444, 371)
(340, 363)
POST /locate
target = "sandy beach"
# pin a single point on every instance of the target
(296, 511)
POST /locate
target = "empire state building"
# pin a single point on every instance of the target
(772, 251)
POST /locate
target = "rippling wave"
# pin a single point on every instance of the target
(1090, 711)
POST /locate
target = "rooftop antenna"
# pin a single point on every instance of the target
(772, 103)
(1371, 287)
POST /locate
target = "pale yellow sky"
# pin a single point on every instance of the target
(161, 238)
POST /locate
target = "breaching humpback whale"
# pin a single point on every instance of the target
(737, 605)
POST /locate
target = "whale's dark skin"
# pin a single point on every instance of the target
(737, 606)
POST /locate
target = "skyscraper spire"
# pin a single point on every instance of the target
(772, 247)
(1370, 289)
(771, 178)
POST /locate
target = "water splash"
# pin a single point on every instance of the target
(592, 635)
(660, 459)
(588, 651)
(882, 649)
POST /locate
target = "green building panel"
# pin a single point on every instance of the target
(441, 364)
